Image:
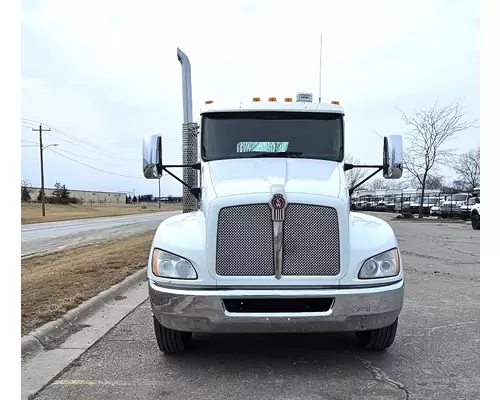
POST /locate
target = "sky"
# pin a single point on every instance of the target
(102, 74)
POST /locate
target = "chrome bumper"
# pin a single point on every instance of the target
(204, 311)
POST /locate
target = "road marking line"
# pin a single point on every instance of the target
(84, 382)
(74, 382)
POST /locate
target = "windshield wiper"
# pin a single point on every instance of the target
(278, 154)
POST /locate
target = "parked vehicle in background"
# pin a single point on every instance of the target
(381, 206)
(465, 210)
(391, 205)
(475, 213)
(406, 207)
(429, 202)
(451, 206)
(436, 208)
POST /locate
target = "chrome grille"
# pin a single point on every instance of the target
(310, 241)
(245, 241)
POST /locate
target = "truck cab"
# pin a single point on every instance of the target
(451, 206)
(267, 242)
(465, 210)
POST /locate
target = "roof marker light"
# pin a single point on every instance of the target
(288, 99)
(272, 99)
(209, 101)
(256, 99)
(335, 102)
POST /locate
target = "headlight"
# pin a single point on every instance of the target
(168, 265)
(383, 265)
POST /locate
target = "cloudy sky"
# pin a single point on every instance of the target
(102, 74)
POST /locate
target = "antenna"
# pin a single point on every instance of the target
(320, 51)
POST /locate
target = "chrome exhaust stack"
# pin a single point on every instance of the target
(189, 137)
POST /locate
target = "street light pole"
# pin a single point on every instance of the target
(42, 183)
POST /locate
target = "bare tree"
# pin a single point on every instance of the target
(26, 190)
(467, 166)
(433, 181)
(399, 184)
(379, 183)
(355, 175)
(430, 129)
(458, 185)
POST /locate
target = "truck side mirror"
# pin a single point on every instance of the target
(393, 157)
(151, 157)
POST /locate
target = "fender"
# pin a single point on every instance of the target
(368, 236)
(183, 235)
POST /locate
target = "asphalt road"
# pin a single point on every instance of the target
(53, 236)
(435, 355)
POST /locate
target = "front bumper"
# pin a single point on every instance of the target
(204, 310)
(465, 214)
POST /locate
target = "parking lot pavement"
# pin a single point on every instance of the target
(435, 355)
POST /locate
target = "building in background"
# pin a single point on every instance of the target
(88, 196)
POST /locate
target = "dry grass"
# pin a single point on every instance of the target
(32, 212)
(56, 283)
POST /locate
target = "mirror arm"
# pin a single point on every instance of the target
(380, 168)
(196, 192)
(348, 167)
(176, 178)
(194, 166)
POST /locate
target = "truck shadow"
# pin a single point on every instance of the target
(297, 347)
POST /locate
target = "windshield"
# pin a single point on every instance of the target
(430, 200)
(297, 134)
(458, 197)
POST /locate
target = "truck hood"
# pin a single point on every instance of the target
(245, 176)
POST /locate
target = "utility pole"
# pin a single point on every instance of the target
(42, 183)
(159, 193)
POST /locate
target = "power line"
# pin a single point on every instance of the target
(373, 130)
(79, 145)
(97, 147)
(90, 166)
(93, 147)
(87, 157)
(31, 120)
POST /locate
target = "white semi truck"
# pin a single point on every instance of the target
(266, 241)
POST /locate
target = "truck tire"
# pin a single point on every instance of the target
(475, 221)
(170, 341)
(378, 339)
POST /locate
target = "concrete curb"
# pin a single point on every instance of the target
(55, 332)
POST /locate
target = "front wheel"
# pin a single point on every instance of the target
(475, 221)
(170, 341)
(378, 339)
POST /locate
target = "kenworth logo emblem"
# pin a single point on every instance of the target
(278, 205)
